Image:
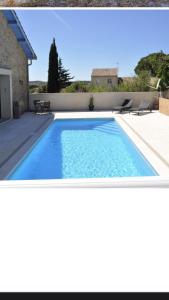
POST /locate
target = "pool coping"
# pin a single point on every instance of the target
(149, 181)
(127, 182)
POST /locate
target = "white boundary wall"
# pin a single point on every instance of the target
(80, 101)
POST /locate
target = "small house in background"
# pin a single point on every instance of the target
(105, 77)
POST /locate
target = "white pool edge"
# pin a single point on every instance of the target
(127, 182)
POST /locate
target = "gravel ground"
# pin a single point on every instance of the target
(85, 3)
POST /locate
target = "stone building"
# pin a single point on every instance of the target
(16, 54)
(13, 2)
(105, 77)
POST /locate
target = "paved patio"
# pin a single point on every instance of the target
(18, 135)
(153, 129)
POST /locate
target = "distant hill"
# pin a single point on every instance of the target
(37, 82)
(40, 83)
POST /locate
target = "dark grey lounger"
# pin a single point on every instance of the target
(127, 104)
(144, 105)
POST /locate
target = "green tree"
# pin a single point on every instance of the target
(64, 75)
(157, 65)
(53, 85)
(136, 84)
(42, 88)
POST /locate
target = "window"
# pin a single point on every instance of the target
(109, 81)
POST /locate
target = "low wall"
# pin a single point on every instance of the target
(102, 101)
(164, 106)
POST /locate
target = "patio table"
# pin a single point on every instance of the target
(41, 106)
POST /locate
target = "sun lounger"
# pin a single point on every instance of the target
(144, 106)
(127, 104)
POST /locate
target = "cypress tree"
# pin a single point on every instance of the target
(53, 74)
(64, 75)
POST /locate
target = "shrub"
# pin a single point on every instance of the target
(91, 103)
(42, 88)
(77, 87)
(136, 84)
(33, 88)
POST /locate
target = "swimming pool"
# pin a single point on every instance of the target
(83, 148)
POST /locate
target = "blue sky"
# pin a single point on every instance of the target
(88, 39)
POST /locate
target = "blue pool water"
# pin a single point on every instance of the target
(83, 148)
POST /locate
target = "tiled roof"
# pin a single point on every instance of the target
(105, 72)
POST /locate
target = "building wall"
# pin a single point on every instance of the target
(102, 101)
(103, 80)
(164, 106)
(14, 2)
(13, 57)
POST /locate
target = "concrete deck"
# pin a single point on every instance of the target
(17, 136)
(153, 129)
(149, 131)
